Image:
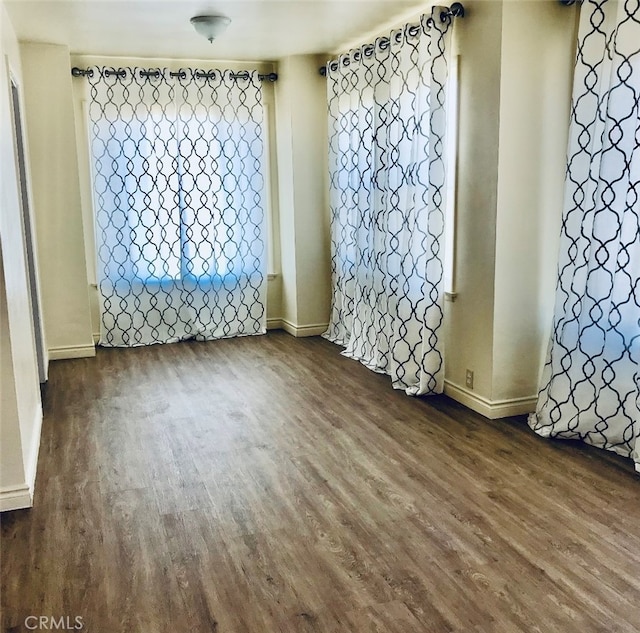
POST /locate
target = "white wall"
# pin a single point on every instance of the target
(20, 406)
(57, 202)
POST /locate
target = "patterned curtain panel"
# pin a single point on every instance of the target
(387, 127)
(591, 380)
(179, 204)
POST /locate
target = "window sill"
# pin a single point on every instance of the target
(270, 277)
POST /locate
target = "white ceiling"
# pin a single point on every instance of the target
(260, 29)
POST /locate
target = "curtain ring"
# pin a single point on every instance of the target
(201, 74)
(148, 74)
(78, 72)
(120, 72)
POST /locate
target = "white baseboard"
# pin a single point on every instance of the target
(300, 331)
(492, 409)
(15, 498)
(31, 467)
(71, 351)
(21, 495)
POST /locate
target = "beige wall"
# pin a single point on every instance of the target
(516, 73)
(12, 471)
(534, 116)
(304, 215)
(20, 406)
(57, 202)
(469, 332)
(285, 95)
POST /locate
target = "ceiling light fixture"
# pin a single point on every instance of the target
(210, 26)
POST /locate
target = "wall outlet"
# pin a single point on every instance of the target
(469, 380)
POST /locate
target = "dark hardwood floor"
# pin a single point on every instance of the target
(267, 484)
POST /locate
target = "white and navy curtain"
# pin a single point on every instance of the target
(178, 194)
(591, 380)
(387, 143)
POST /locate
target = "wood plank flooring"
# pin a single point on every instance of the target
(267, 484)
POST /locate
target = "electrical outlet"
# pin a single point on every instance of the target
(469, 381)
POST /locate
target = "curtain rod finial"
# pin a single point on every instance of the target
(457, 10)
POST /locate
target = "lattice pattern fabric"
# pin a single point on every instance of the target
(387, 127)
(179, 204)
(591, 380)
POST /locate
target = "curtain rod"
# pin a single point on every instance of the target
(456, 10)
(210, 74)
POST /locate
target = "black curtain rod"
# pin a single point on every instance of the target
(210, 74)
(456, 10)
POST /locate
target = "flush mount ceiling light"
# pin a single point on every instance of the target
(210, 26)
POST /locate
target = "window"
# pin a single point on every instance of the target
(178, 192)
